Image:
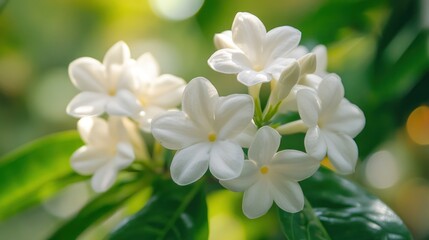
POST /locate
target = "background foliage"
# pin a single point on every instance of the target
(379, 48)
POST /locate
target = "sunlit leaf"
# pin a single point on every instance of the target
(173, 212)
(345, 211)
(101, 207)
(36, 171)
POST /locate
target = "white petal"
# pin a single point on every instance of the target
(342, 152)
(315, 144)
(147, 115)
(280, 41)
(232, 115)
(276, 67)
(124, 103)
(257, 200)
(250, 77)
(307, 63)
(321, 59)
(87, 104)
(190, 164)
(165, 92)
(229, 61)
(226, 160)
(247, 178)
(87, 74)
(297, 52)
(224, 40)
(248, 33)
(294, 165)
(103, 178)
(265, 145)
(347, 119)
(308, 106)
(86, 160)
(124, 155)
(175, 131)
(94, 131)
(287, 195)
(118, 54)
(198, 102)
(288, 79)
(330, 93)
(245, 138)
(148, 66)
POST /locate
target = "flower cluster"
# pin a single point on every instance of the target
(212, 132)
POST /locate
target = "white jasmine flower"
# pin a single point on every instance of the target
(255, 54)
(332, 123)
(106, 151)
(270, 176)
(155, 93)
(103, 85)
(205, 133)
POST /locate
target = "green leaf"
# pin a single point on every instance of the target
(101, 207)
(303, 225)
(173, 212)
(36, 171)
(345, 211)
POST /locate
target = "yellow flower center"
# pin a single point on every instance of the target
(264, 169)
(212, 137)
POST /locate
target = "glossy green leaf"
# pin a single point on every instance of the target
(345, 211)
(101, 207)
(303, 225)
(173, 212)
(36, 171)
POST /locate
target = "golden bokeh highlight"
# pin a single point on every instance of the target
(418, 125)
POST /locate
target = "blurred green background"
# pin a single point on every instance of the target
(378, 47)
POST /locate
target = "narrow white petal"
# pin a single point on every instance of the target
(87, 74)
(94, 131)
(321, 59)
(87, 104)
(165, 92)
(280, 41)
(190, 164)
(287, 195)
(124, 103)
(330, 93)
(224, 40)
(199, 100)
(294, 165)
(307, 63)
(257, 200)
(118, 54)
(308, 106)
(124, 155)
(342, 152)
(347, 119)
(250, 77)
(248, 33)
(265, 145)
(232, 115)
(245, 138)
(148, 66)
(288, 79)
(174, 130)
(86, 160)
(103, 178)
(247, 178)
(226, 160)
(229, 61)
(315, 143)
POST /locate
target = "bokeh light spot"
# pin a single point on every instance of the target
(418, 125)
(176, 9)
(382, 170)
